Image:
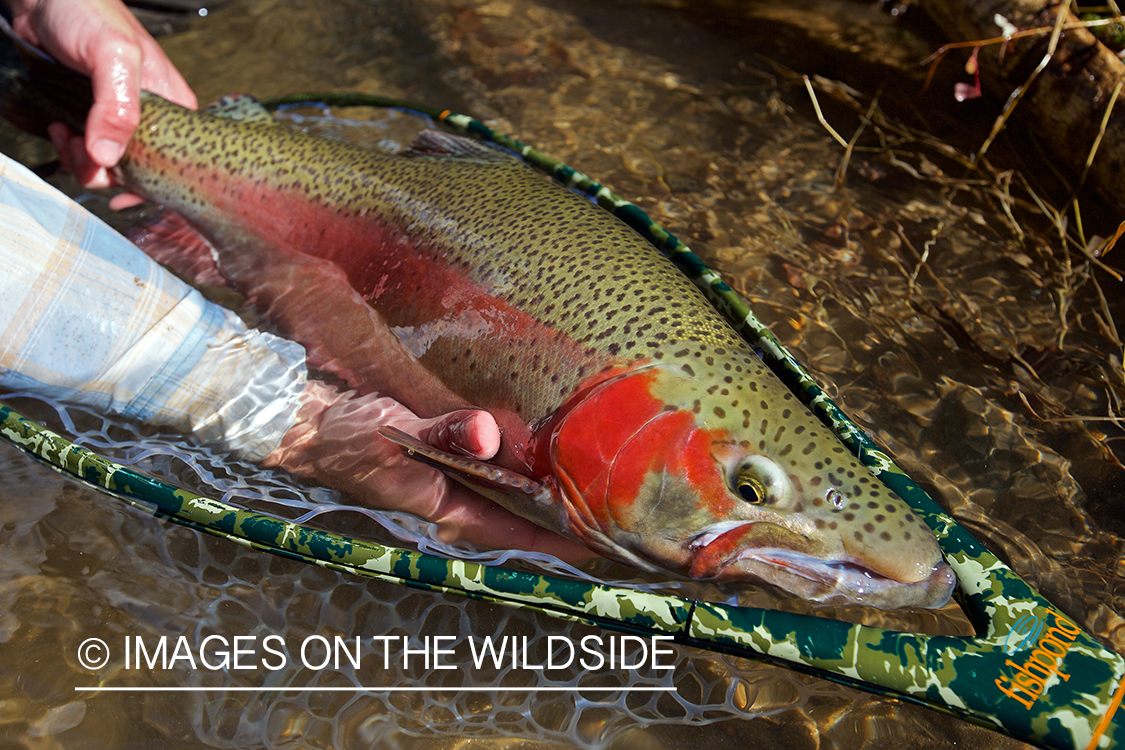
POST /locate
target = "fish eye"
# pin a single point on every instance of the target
(760, 481)
(750, 488)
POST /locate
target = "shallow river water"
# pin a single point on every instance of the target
(953, 323)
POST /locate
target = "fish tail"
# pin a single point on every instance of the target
(43, 91)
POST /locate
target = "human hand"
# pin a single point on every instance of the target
(102, 39)
(336, 442)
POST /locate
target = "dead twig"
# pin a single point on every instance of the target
(1098, 138)
(820, 115)
(935, 59)
(842, 169)
(1017, 95)
(1111, 242)
(925, 255)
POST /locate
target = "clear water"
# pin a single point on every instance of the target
(979, 354)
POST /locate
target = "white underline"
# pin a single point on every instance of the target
(638, 689)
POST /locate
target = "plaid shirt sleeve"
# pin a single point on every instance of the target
(87, 318)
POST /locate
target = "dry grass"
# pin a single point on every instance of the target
(1079, 261)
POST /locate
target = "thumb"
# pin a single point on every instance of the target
(467, 432)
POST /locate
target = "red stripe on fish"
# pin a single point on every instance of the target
(440, 310)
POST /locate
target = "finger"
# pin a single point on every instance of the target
(89, 173)
(60, 136)
(23, 25)
(116, 111)
(124, 200)
(74, 159)
(465, 433)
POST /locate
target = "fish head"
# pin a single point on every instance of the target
(655, 471)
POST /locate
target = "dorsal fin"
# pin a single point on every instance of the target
(241, 107)
(436, 143)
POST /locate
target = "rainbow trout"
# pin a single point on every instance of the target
(634, 419)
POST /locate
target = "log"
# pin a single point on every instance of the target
(1065, 104)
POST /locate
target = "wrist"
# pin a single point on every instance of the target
(291, 453)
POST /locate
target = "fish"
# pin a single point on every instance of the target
(633, 417)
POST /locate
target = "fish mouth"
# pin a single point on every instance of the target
(718, 555)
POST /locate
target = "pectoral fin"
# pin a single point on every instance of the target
(494, 482)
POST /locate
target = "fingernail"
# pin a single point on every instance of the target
(458, 436)
(106, 152)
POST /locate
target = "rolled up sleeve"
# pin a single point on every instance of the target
(87, 318)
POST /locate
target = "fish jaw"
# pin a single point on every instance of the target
(737, 551)
(644, 480)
